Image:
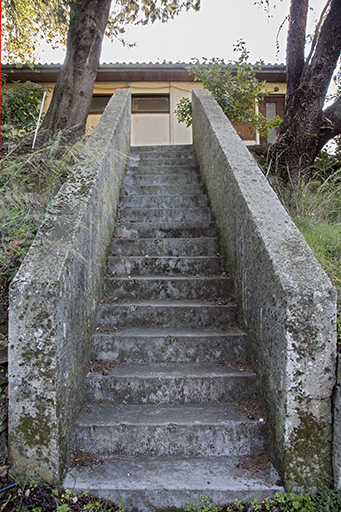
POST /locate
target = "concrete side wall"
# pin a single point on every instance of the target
(337, 428)
(53, 302)
(287, 303)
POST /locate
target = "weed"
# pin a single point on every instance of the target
(27, 184)
(205, 507)
(315, 207)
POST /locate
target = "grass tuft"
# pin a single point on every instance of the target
(28, 182)
(315, 207)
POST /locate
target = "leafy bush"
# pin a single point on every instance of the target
(20, 106)
(236, 89)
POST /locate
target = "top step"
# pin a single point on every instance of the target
(176, 148)
(166, 155)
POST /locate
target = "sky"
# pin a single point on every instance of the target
(211, 32)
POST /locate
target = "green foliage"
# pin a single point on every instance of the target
(28, 496)
(27, 184)
(26, 22)
(205, 507)
(63, 500)
(183, 111)
(236, 89)
(315, 207)
(20, 107)
(328, 500)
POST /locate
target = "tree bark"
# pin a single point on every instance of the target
(304, 125)
(296, 45)
(72, 94)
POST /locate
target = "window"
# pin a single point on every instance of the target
(150, 104)
(98, 103)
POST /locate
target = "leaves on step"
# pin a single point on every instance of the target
(82, 459)
(111, 300)
(107, 328)
(250, 409)
(257, 462)
(219, 302)
(102, 366)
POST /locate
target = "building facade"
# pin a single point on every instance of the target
(156, 89)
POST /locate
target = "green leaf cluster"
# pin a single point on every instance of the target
(27, 22)
(20, 105)
(236, 89)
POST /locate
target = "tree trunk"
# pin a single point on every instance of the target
(72, 94)
(305, 125)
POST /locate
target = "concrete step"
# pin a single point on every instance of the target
(170, 345)
(158, 430)
(185, 169)
(142, 180)
(164, 215)
(166, 287)
(167, 313)
(170, 366)
(167, 265)
(163, 153)
(155, 190)
(190, 201)
(165, 247)
(151, 484)
(160, 383)
(163, 149)
(160, 159)
(165, 230)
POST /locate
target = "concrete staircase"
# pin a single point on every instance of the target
(170, 413)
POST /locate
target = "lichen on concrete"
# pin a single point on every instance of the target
(53, 302)
(286, 302)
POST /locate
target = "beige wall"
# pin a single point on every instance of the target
(147, 129)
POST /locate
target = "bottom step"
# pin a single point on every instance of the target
(159, 483)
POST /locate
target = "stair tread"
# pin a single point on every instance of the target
(170, 331)
(176, 370)
(175, 240)
(164, 413)
(209, 277)
(169, 210)
(150, 414)
(172, 473)
(167, 257)
(175, 196)
(172, 223)
(169, 303)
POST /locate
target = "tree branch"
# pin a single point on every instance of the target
(316, 35)
(331, 122)
(296, 45)
(327, 53)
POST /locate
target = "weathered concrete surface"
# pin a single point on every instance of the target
(287, 303)
(175, 430)
(188, 480)
(54, 298)
(337, 428)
